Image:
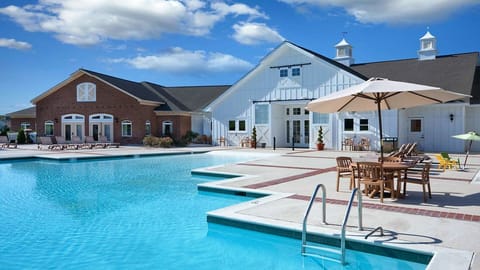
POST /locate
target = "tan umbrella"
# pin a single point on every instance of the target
(469, 136)
(381, 94)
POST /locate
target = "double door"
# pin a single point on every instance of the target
(297, 126)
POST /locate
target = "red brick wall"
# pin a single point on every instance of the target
(108, 101)
(180, 124)
(15, 123)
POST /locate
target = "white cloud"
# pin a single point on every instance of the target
(395, 12)
(14, 44)
(254, 33)
(90, 22)
(180, 61)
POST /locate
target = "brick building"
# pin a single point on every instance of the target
(94, 104)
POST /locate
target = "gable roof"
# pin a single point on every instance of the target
(25, 113)
(455, 72)
(135, 89)
(187, 98)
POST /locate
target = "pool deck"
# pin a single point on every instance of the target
(448, 225)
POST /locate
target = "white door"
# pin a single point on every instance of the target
(416, 132)
(297, 126)
(72, 125)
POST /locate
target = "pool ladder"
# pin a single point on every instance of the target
(341, 251)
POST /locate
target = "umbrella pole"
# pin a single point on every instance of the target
(380, 128)
(468, 152)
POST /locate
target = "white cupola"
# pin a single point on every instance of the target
(428, 47)
(344, 53)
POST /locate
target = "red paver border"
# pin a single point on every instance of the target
(391, 208)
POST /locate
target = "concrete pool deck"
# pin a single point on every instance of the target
(448, 224)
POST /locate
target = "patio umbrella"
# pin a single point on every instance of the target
(469, 136)
(381, 94)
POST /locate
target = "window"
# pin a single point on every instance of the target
(288, 111)
(306, 112)
(86, 92)
(242, 125)
(25, 125)
(126, 128)
(49, 128)
(363, 124)
(320, 118)
(239, 125)
(295, 71)
(261, 114)
(283, 72)
(296, 111)
(341, 52)
(231, 125)
(415, 125)
(348, 124)
(427, 44)
(167, 128)
(148, 128)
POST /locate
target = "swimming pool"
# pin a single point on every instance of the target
(136, 213)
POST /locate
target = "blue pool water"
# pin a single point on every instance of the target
(135, 213)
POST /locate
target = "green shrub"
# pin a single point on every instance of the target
(21, 138)
(157, 142)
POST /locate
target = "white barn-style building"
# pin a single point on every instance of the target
(272, 98)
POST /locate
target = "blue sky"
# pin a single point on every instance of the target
(194, 42)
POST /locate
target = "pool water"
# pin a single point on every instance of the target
(135, 213)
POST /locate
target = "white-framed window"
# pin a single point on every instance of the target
(126, 128)
(73, 118)
(148, 128)
(49, 128)
(86, 92)
(24, 125)
(348, 124)
(283, 72)
(237, 125)
(262, 114)
(297, 111)
(320, 118)
(363, 124)
(296, 71)
(167, 128)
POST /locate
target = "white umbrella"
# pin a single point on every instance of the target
(469, 136)
(381, 94)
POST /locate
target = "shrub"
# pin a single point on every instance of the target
(21, 138)
(189, 137)
(158, 142)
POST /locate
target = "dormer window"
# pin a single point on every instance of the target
(86, 92)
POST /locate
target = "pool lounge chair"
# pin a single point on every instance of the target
(91, 143)
(65, 145)
(453, 162)
(47, 142)
(104, 141)
(5, 143)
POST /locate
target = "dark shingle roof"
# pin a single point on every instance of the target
(134, 88)
(25, 113)
(187, 98)
(454, 72)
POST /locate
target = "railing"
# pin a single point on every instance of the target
(341, 252)
(305, 217)
(345, 220)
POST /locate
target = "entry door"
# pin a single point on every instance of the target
(300, 130)
(416, 132)
(95, 131)
(73, 130)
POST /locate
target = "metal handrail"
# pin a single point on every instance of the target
(305, 217)
(345, 219)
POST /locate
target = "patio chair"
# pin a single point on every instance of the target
(6, 143)
(364, 144)
(400, 152)
(91, 143)
(104, 141)
(443, 163)
(347, 144)
(64, 144)
(371, 175)
(345, 170)
(47, 142)
(423, 179)
(454, 163)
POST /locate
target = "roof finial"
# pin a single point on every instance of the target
(344, 34)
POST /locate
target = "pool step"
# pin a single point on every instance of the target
(327, 250)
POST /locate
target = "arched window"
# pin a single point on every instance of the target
(86, 92)
(126, 128)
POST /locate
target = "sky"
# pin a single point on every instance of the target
(194, 42)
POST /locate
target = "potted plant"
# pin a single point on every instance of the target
(320, 143)
(254, 138)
